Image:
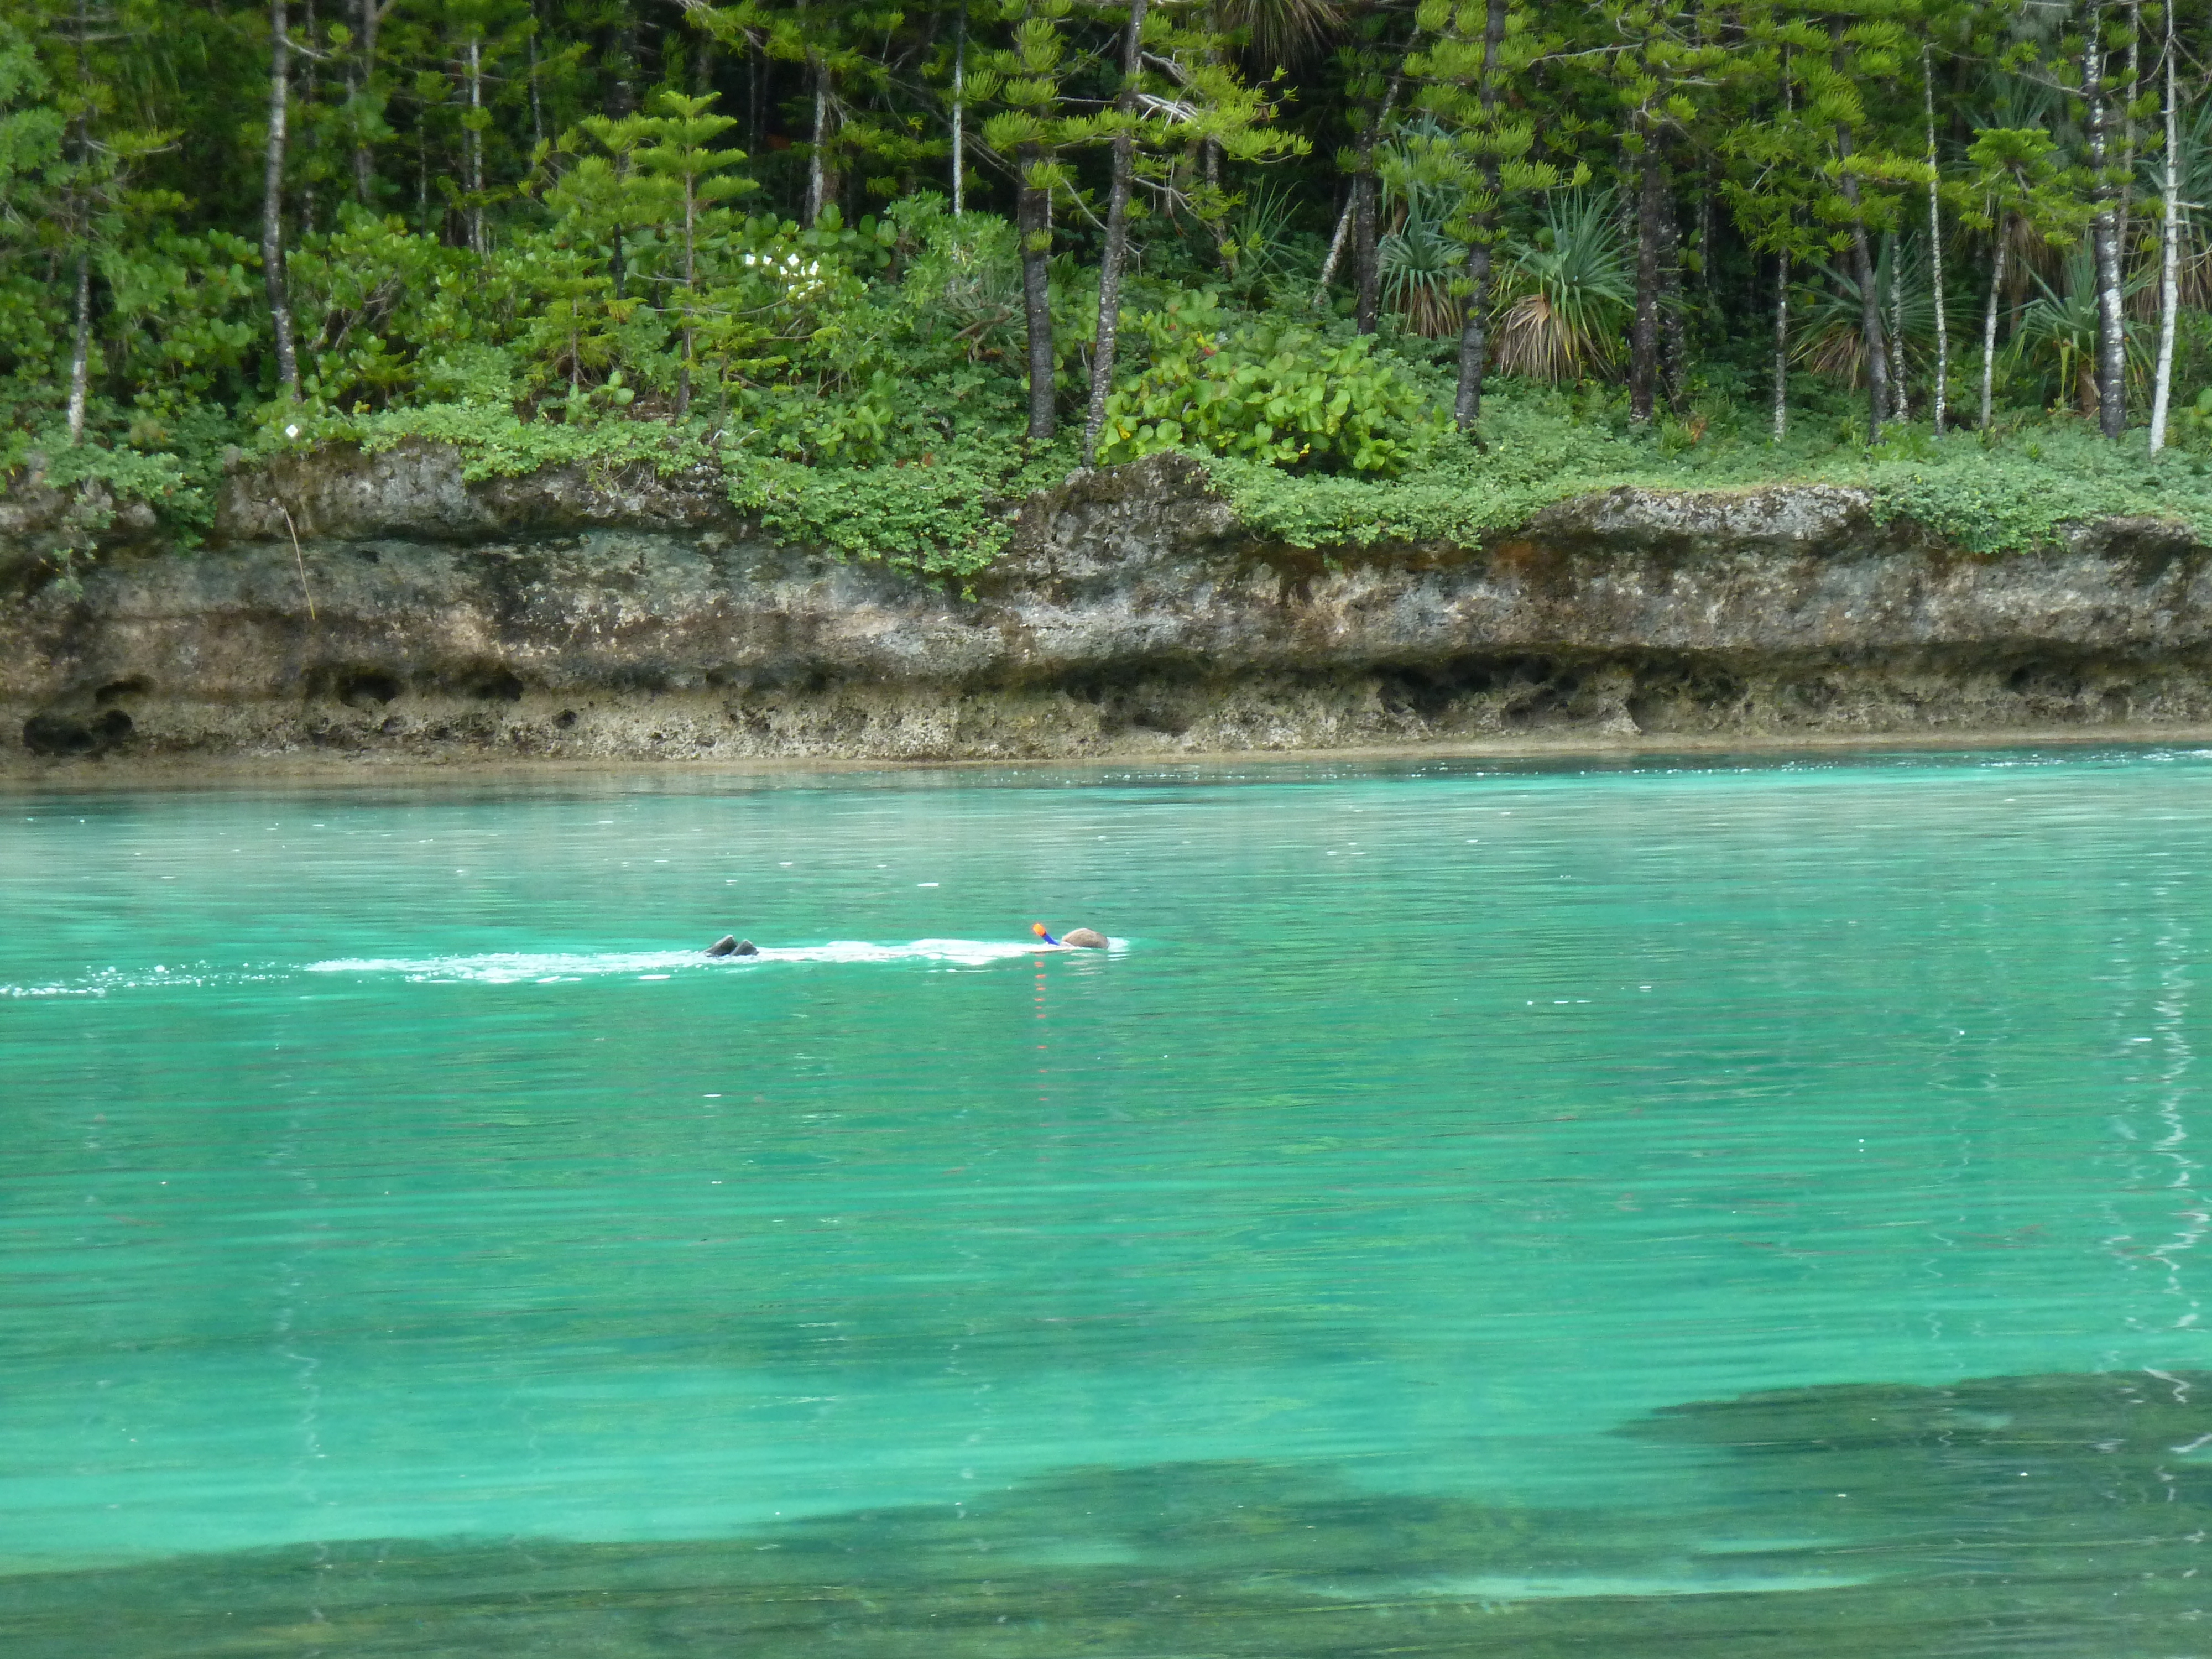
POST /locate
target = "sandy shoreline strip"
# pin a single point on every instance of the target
(23, 775)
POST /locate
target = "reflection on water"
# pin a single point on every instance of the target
(2004, 1515)
(1517, 1212)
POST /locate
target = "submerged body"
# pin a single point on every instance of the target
(1083, 938)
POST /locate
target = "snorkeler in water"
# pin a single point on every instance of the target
(729, 945)
(1083, 938)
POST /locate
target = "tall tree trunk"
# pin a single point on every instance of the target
(1708, 227)
(959, 112)
(272, 203)
(2130, 138)
(1335, 250)
(1366, 268)
(817, 190)
(690, 293)
(367, 14)
(81, 346)
(1350, 211)
(1474, 328)
(2169, 255)
(1871, 330)
(1781, 345)
(537, 101)
(1034, 217)
(1936, 248)
(1782, 286)
(1474, 336)
(1673, 321)
(1862, 266)
(756, 73)
(80, 226)
(472, 147)
(1989, 324)
(1901, 405)
(2105, 236)
(1643, 333)
(621, 90)
(1117, 231)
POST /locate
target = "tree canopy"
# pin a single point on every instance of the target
(830, 232)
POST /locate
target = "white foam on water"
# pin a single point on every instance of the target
(545, 967)
(1566, 1587)
(553, 967)
(101, 980)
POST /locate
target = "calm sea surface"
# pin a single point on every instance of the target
(1702, 1208)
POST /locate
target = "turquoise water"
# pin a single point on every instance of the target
(412, 1245)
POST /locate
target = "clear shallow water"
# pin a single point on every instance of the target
(411, 1245)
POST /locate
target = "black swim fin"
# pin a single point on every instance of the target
(728, 945)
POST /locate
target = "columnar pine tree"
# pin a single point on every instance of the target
(2169, 239)
(1033, 129)
(1477, 52)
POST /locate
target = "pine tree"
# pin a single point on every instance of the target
(1180, 102)
(1659, 60)
(2019, 181)
(1373, 67)
(1476, 51)
(1033, 130)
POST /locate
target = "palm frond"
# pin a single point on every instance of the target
(1567, 295)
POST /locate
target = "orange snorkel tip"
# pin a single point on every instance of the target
(1037, 928)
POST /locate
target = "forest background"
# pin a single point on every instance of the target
(1398, 271)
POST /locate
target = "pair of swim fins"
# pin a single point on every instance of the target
(729, 945)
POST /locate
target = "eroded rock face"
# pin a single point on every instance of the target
(423, 615)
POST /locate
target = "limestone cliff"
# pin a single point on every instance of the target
(557, 615)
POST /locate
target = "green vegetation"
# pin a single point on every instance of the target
(1398, 270)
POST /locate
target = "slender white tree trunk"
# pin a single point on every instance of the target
(1344, 220)
(2111, 326)
(80, 222)
(2169, 262)
(1782, 345)
(1900, 405)
(1335, 250)
(473, 151)
(272, 203)
(80, 351)
(1936, 248)
(690, 293)
(1989, 324)
(959, 113)
(815, 174)
(1781, 290)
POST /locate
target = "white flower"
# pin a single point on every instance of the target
(291, 431)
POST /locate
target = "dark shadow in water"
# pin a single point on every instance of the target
(2060, 1515)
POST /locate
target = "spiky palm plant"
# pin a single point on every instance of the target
(2196, 179)
(1831, 342)
(1567, 295)
(1420, 263)
(2056, 337)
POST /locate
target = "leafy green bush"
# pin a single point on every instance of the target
(1284, 394)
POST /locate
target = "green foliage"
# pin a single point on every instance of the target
(943, 517)
(583, 233)
(1281, 393)
(1566, 298)
(2015, 493)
